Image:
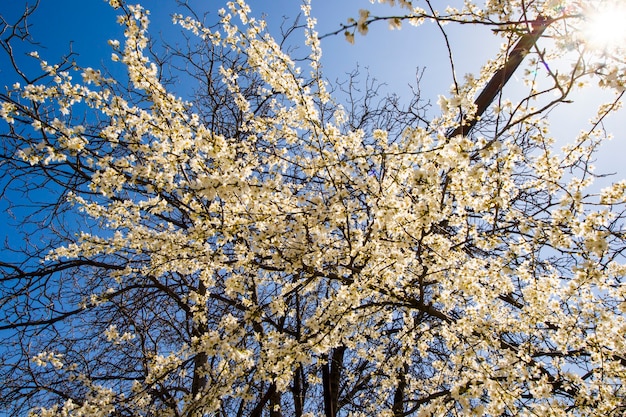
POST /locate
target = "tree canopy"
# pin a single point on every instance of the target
(274, 244)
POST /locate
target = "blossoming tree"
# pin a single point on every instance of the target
(260, 251)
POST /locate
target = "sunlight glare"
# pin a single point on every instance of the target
(605, 25)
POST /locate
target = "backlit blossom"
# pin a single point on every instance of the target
(234, 251)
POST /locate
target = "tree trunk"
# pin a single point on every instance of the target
(297, 391)
(200, 361)
(398, 396)
(275, 404)
(331, 376)
(269, 395)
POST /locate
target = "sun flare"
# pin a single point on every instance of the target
(605, 25)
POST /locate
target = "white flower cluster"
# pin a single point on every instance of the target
(473, 271)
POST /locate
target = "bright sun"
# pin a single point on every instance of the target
(605, 25)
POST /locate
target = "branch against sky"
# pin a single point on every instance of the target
(276, 245)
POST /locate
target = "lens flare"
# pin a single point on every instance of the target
(605, 25)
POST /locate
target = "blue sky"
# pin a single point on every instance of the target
(390, 56)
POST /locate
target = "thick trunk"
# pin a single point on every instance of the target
(297, 391)
(398, 397)
(200, 361)
(331, 377)
(199, 379)
(275, 404)
(269, 395)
